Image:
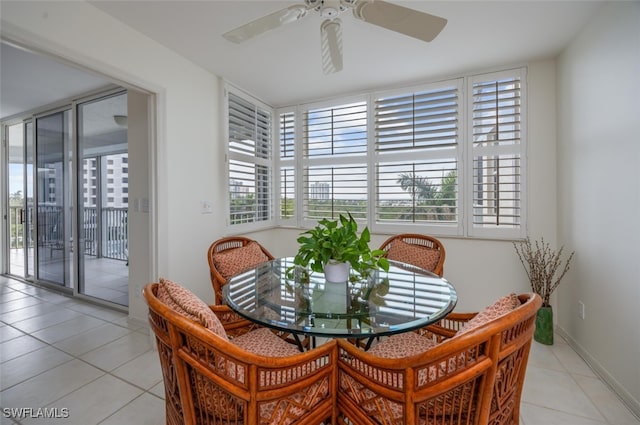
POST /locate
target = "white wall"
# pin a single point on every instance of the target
(599, 193)
(139, 220)
(188, 149)
(484, 270)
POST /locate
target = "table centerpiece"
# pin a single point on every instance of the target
(334, 248)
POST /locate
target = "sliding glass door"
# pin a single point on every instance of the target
(38, 209)
(68, 195)
(20, 203)
(53, 198)
(103, 198)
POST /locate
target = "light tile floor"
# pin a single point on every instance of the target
(57, 352)
(105, 278)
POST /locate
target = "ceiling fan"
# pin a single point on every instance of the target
(413, 23)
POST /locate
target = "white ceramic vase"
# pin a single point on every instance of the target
(335, 271)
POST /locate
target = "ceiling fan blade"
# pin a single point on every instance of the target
(413, 23)
(266, 23)
(331, 45)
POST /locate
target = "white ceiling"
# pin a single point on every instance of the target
(29, 81)
(283, 67)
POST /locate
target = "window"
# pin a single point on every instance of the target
(335, 161)
(496, 150)
(445, 158)
(249, 159)
(287, 136)
(417, 147)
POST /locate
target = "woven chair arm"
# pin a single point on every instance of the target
(233, 323)
(453, 322)
(447, 327)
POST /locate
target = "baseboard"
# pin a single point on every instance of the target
(626, 397)
(138, 322)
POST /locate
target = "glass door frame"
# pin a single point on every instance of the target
(31, 207)
(73, 267)
(26, 124)
(69, 247)
(80, 289)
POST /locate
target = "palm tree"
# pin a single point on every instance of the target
(448, 190)
(420, 187)
(439, 203)
(16, 198)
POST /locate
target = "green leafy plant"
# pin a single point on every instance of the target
(339, 240)
(544, 266)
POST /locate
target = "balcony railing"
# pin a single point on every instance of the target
(109, 241)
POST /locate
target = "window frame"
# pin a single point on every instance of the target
(254, 160)
(464, 155)
(343, 159)
(425, 154)
(288, 162)
(519, 232)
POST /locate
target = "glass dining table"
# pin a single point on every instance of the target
(279, 295)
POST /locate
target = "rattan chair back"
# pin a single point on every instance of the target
(211, 381)
(218, 280)
(468, 379)
(422, 241)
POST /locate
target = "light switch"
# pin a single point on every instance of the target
(143, 205)
(206, 207)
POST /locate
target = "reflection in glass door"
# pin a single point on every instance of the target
(54, 211)
(103, 198)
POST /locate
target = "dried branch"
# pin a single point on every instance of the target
(542, 265)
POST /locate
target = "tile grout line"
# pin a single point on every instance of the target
(76, 357)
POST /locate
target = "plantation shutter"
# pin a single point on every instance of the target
(287, 135)
(286, 164)
(497, 150)
(423, 120)
(335, 171)
(249, 161)
(416, 140)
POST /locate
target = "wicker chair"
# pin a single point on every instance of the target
(223, 262)
(423, 251)
(213, 381)
(473, 377)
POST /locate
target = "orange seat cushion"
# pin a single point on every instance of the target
(238, 260)
(402, 345)
(500, 307)
(420, 256)
(186, 303)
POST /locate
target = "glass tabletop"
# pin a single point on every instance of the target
(400, 300)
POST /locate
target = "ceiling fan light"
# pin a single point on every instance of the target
(329, 12)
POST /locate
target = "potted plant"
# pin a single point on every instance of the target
(545, 269)
(335, 243)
